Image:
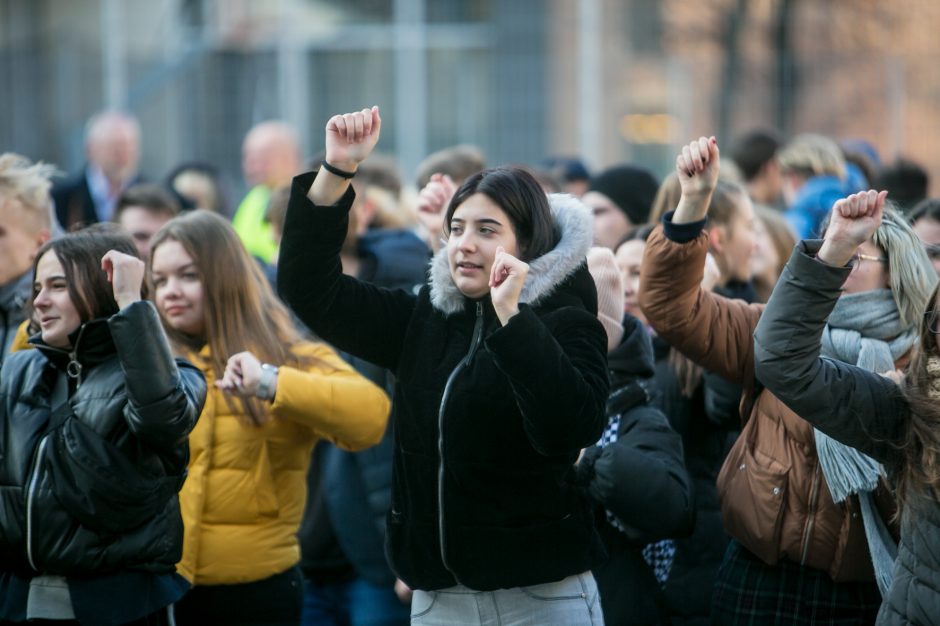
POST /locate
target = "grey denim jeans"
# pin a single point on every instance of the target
(573, 601)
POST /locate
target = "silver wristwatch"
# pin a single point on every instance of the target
(267, 386)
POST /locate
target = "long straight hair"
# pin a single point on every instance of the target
(241, 310)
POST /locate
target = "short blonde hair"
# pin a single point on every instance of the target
(28, 183)
(812, 155)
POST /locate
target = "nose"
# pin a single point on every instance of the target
(41, 299)
(466, 242)
(171, 288)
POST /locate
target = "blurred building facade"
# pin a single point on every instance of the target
(608, 80)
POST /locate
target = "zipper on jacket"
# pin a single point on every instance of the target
(73, 370)
(474, 344)
(811, 515)
(30, 500)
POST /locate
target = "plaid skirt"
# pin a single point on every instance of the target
(748, 592)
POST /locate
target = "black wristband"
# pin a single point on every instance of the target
(336, 171)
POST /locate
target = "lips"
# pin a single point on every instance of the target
(46, 320)
(174, 310)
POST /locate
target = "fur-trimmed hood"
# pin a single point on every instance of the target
(574, 230)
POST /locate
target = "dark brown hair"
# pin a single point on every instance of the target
(919, 476)
(80, 254)
(521, 197)
(241, 310)
(152, 198)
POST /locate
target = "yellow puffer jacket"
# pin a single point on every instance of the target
(244, 497)
(21, 338)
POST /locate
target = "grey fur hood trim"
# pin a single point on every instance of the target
(574, 222)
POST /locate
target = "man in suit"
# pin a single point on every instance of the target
(112, 146)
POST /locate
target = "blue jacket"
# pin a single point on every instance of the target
(813, 203)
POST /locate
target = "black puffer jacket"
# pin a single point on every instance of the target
(640, 478)
(96, 494)
(488, 420)
(855, 406)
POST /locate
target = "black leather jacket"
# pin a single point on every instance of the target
(96, 493)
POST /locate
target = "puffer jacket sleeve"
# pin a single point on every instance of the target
(165, 395)
(713, 331)
(333, 399)
(641, 477)
(356, 317)
(859, 408)
(559, 378)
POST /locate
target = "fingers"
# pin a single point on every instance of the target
(504, 265)
(354, 127)
(436, 194)
(713, 152)
(107, 264)
(376, 120)
(697, 156)
(337, 124)
(686, 160)
(497, 268)
(862, 204)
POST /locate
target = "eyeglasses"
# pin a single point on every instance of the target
(858, 257)
(932, 318)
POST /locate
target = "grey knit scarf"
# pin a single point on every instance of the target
(865, 330)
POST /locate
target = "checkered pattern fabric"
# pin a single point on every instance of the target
(748, 592)
(658, 555)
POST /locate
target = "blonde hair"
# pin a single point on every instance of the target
(28, 183)
(912, 277)
(812, 155)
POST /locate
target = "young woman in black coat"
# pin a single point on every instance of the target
(501, 380)
(93, 426)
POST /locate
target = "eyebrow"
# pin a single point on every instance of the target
(50, 279)
(178, 269)
(484, 220)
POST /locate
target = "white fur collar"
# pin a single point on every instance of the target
(573, 221)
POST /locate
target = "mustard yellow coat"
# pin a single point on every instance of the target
(244, 497)
(21, 338)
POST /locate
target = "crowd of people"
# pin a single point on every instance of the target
(514, 395)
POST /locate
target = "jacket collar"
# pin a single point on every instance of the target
(91, 344)
(574, 229)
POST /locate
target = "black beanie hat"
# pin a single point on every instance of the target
(631, 188)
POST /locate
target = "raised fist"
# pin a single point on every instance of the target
(351, 137)
(697, 167)
(853, 222)
(126, 275)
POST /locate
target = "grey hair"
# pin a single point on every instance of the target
(29, 183)
(912, 278)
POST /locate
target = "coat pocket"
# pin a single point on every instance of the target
(752, 488)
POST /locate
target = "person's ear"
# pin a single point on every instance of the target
(42, 237)
(716, 239)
